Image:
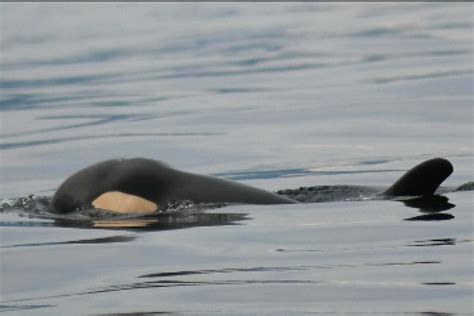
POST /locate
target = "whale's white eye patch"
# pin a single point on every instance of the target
(120, 202)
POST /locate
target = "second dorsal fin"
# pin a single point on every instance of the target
(422, 179)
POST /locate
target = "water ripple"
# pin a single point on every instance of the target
(94, 120)
(292, 172)
(90, 241)
(432, 75)
(434, 242)
(18, 308)
(14, 145)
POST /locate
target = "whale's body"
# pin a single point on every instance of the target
(155, 182)
(146, 185)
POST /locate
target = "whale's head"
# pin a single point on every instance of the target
(118, 185)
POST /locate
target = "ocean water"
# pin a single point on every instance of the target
(278, 96)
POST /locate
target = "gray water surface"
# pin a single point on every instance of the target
(279, 96)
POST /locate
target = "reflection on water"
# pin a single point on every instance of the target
(432, 205)
(273, 269)
(431, 217)
(227, 270)
(159, 221)
(434, 242)
(141, 314)
(295, 312)
(101, 240)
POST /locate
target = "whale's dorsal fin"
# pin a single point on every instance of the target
(422, 179)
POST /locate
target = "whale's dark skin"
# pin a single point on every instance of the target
(156, 182)
(422, 179)
(153, 181)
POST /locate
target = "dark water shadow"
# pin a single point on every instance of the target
(180, 283)
(225, 270)
(438, 283)
(276, 269)
(434, 242)
(139, 314)
(90, 241)
(308, 312)
(289, 312)
(431, 314)
(431, 206)
(431, 217)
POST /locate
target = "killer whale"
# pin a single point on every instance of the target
(154, 183)
(147, 185)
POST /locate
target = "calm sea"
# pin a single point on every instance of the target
(276, 95)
